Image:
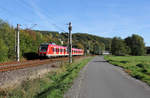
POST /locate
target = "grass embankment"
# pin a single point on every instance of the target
(52, 85)
(136, 66)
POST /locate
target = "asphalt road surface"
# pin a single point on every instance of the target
(100, 79)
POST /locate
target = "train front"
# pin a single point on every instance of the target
(43, 49)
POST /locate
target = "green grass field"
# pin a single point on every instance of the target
(136, 66)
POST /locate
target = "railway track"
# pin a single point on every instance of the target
(20, 65)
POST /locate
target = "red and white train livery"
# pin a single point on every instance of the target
(52, 50)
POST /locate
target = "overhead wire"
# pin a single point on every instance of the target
(52, 18)
(49, 19)
(54, 24)
(10, 12)
(26, 5)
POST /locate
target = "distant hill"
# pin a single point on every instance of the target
(84, 37)
(81, 40)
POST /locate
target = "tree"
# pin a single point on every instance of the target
(136, 44)
(148, 50)
(3, 51)
(118, 47)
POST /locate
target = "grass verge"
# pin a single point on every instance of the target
(62, 81)
(136, 66)
(52, 85)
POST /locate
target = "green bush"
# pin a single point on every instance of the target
(140, 65)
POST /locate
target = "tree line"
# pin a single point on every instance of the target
(132, 45)
(30, 40)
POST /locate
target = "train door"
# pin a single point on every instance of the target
(54, 50)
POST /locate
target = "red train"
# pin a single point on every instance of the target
(51, 50)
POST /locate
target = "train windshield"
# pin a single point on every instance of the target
(43, 48)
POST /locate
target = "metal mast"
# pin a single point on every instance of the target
(18, 44)
(70, 42)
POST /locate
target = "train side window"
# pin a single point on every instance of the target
(54, 49)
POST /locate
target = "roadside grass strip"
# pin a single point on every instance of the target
(63, 81)
(136, 66)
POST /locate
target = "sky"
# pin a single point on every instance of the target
(105, 18)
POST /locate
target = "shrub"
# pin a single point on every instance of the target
(140, 65)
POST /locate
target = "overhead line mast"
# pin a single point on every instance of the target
(18, 44)
(70, 43)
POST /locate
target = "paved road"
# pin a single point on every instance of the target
(100, 79)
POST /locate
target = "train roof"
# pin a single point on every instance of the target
(60, 46)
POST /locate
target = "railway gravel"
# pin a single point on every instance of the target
(12, 78)
(13, 73)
